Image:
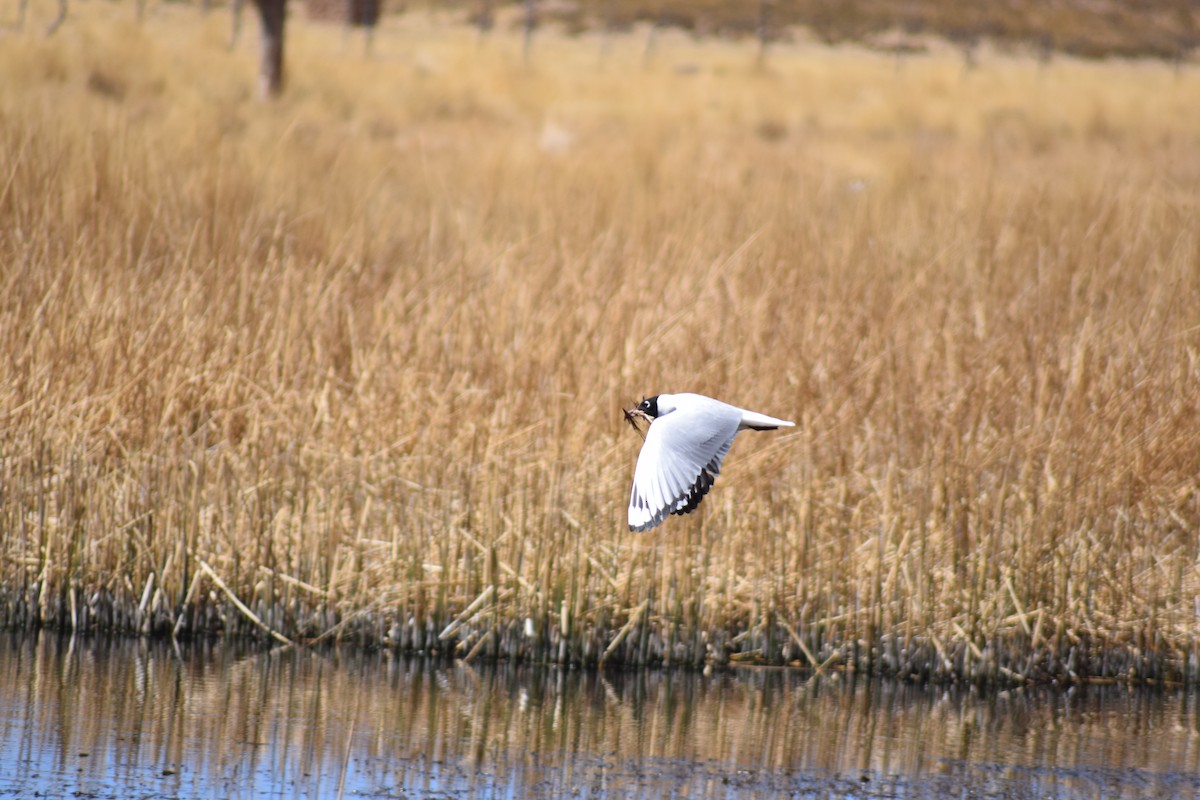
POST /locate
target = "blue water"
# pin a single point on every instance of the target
(133, 719)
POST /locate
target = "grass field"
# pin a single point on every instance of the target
(357, 357)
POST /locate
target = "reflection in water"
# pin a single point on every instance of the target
(105, 718)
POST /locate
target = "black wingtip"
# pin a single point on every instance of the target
(704, 482)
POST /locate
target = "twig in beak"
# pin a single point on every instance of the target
(632, 415)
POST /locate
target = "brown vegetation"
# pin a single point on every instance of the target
(1090, 28)
(361, 355)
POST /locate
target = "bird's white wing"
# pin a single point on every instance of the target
(680, 459)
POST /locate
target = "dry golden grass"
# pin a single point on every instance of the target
(360, 354)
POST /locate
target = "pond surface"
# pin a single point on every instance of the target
(99, 718)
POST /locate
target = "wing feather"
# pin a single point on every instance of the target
(679, 462)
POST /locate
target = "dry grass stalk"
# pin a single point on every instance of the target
(240, 606)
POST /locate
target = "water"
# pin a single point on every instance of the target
(95, 718)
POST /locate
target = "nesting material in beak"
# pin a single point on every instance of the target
(632, 415)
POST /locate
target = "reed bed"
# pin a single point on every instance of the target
(349, 367)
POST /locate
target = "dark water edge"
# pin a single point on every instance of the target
(115, 717)
(645, 639)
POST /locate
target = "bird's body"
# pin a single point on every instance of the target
(689, 436)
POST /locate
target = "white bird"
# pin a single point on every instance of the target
(689, 435)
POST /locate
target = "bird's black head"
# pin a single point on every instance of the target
(649, 407)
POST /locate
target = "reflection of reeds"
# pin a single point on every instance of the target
(244, 722)
(365, 356)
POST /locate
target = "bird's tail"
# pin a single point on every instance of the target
(761, 422)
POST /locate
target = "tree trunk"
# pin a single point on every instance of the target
(272, 14)
(235, 22)
(763, 32)
(530, 24)
(55, 23)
